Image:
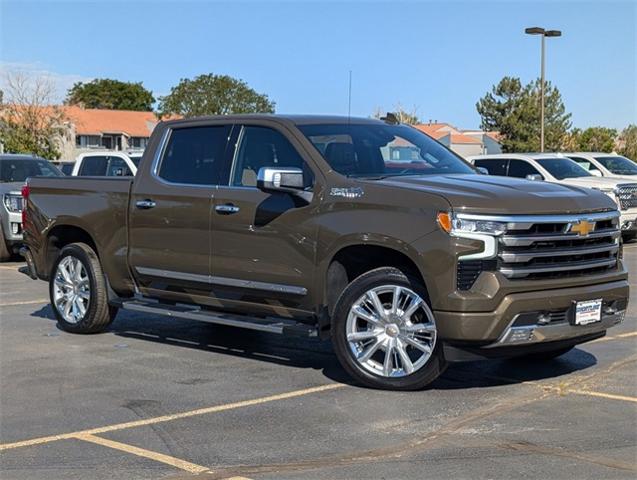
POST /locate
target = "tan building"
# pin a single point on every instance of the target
(95, 129)
(463, 142)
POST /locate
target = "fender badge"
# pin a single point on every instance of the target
(346, 192)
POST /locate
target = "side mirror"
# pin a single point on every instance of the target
(595, 172)
(534, 177)
(482, 170)
(284, 179)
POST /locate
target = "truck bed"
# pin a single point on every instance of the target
(97, 205)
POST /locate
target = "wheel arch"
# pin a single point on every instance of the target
(357, 256)
(62, 235)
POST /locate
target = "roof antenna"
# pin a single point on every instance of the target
(349, 98)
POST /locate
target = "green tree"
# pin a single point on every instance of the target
(593, 139)
(110, 94)
(409, 117)
(513, 110)
(28, 121)
(213, 95)
(627, 142)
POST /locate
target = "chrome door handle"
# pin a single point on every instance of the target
(145, 204)
(227, 209)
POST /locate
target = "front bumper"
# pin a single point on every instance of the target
(12, 227)
(628, 223)
(494, 329)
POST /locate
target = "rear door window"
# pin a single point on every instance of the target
(495, 166)
(520, 169)
(93, 166)
(195, 156)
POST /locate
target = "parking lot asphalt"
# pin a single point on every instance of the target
(176, 399)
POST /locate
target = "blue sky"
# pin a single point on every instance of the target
(437, 56)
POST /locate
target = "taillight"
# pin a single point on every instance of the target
(25, 197)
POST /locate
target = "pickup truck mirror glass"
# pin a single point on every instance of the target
(595, 172)
(482, 170)
(288, 179)
(535, 177)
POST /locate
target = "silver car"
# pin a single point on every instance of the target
(14, 170)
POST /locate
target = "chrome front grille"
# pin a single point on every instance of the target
(558, 246)
(627, 195)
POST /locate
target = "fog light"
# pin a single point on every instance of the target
(15, 228)
(544, 318)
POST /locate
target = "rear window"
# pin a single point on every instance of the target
(195, 156)
(18, 170)
(93, 166)
(495, 166)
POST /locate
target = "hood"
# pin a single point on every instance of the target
(505, 195)
(6, 187)
(596, 182)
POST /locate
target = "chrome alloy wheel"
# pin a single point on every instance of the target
(391, 331)
(71, 289)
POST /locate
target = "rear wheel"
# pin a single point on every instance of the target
(384, 332)
(78, 291)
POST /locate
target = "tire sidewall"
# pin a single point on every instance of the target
(383, 276)
(84, 324)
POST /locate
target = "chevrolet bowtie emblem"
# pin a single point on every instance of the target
(582, 228)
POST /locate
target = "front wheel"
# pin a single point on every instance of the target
(384, 332)
(78, 291)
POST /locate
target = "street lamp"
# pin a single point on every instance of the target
(544, 33)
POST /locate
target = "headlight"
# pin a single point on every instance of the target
(453, 224)
(611, 192)
(13, 202)
(483, 230)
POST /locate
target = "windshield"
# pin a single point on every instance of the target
(377, 150)
(562, 168)
(18, 170)
(619, 165)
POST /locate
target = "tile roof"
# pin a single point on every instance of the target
(98, 121)
(459, 138)
(430, 128)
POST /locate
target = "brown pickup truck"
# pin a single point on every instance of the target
(366, 232)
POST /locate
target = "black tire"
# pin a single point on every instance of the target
(629, 237)
(99, 314)
(5, 253)
(547, 355)
(417, 380)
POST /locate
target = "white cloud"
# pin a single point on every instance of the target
(60, 82)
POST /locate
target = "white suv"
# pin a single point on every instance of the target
(557, 168)
(605, 164)
(104, 163)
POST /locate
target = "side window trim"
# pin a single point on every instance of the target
(235, 154)
(161, 150)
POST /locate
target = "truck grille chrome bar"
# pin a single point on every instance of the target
(627, 195)
(548, 246)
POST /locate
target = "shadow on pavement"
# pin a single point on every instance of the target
(318, 355)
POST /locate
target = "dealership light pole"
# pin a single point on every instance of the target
(544, 33)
